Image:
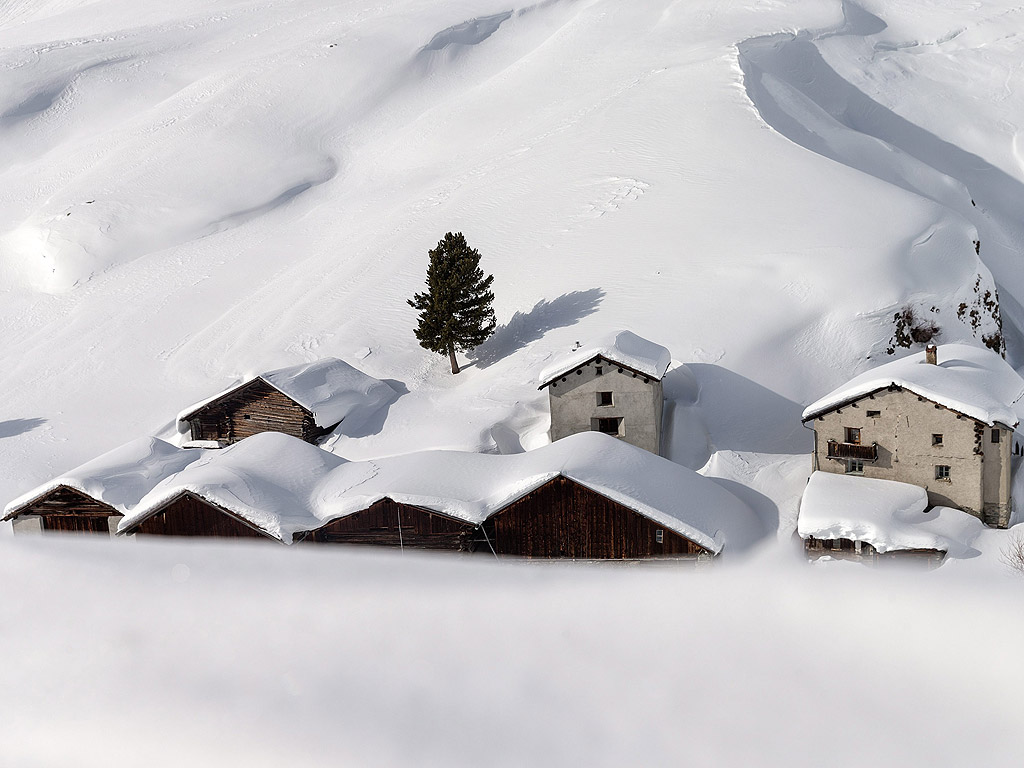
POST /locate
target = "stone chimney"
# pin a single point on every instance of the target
(931, 354)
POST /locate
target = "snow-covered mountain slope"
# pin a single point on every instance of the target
(194, 193)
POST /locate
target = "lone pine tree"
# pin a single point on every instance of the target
(455, 312)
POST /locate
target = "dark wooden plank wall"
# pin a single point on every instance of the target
(67, 509)
(845, 549)
(249, 410)
(565, 519)
(379, 524)
(189, 515)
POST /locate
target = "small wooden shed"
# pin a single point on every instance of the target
(305, 401)
(188, 514)
(563, 518)
(391, 524)
(64, 509)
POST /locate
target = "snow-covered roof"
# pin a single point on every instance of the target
(330, 389)
(970, 380)
(120, 477)
(623, 347)
(884, 513)
(268, 479)
(285, 486)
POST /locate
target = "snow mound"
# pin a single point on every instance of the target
(119, 477)
(884, 513)
(973, 381)
(622, 347)
(330, 389)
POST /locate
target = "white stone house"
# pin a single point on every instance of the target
(942, 420)
(614, 386)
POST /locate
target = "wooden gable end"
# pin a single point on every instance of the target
(253, 408)
(565, 519)
(391, 524)
(190, 515)
(68, 509)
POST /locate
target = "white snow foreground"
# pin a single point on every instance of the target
(285, 486)
(120, 477)
(330, 389)
(886, 514)
(973, 381)
(623, 347)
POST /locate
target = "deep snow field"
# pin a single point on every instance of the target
(194, 192)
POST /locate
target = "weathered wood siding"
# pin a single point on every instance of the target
(256, 407)
(189, 515)
(862, 551)
(565, 519)
(388, 523)
(67, 509)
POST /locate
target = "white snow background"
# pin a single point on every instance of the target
(195, 192)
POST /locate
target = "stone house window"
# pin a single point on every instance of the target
(852, 435)
(936, 439)
(608, 426)
(854, 467)
(942, 472)
(995, 435)
(604, 398)
(598, 370)
(874, 414)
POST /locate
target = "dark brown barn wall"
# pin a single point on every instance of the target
(565, 519)
(379, 524)
(66, 509)
(249, 410)
(191, 516)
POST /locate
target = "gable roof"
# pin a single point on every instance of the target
(118, 478)
(330, 389)
(970, 380)
(286, 487)
(884, 513)
(623, 347)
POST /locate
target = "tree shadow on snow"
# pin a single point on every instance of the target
(14, 427)
(525, 327)
(742, 415)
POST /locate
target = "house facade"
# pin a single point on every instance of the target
(911, 421)
(614, 387)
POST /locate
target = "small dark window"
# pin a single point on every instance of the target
(854, 467)
(247, 417)
(941, 472)
(936, 439)
(659, 536)
(874, 414)
(598, 371)
(995, 435)
(604, 398)
(608, 426)
(853, 435)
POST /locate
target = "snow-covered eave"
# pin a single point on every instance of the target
(130, 523)
(870, 535)
(827, 405)
(598, 357)
(15, 507)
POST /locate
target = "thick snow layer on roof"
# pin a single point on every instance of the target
(330, 389)
(120, 477)
(285, 486)
(973, 381)
(884, 513)
(623, 347)
(268, 479)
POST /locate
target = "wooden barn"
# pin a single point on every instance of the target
(564, 518)
(306, 401)
(188, 514)
(64, 509)
(391, 524)
(863, 551)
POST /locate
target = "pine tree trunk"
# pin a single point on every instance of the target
(451, 356)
